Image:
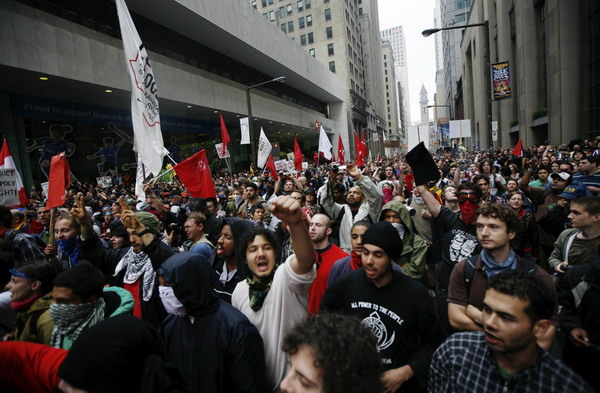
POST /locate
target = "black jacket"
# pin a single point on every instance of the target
(220, 351)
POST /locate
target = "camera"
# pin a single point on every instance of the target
(335, 169)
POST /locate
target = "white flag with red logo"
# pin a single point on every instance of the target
(13, 194)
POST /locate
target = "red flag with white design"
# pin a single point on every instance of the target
(18, 198)
(224, 135)
(360, 158)
(58, 180)
(194, 173)
(341, 152)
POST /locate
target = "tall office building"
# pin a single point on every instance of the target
(393, 129)
(395, 36)
(340, 35)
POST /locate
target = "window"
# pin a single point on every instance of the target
(303, 39)
(281, 12)
(309, 20)
(311, 38)
(328, 14)
(270, 2)
(271, 16)
(264, 3)
(360, 11)
(325, 1)
(301, 22)
(329, 32)
(330, 49)
(307, 3)
(311, 52)
(289, 9)
(300, 5)
(253, 3)
(332, 66)
(284, 27)
(290, 26)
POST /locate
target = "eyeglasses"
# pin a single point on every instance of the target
(471, 196)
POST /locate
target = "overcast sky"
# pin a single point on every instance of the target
(414, 17)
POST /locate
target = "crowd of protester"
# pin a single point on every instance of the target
(451, 272)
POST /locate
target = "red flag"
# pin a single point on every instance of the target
(271, 167)
(378, 157)
(194, 173)
(224, 135)
(341, 152)
(360, 160)
(518, 151)
(6, 162)
(58, 181)
(365, 149)
(298, 156)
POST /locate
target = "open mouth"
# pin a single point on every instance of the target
(491, 339)
(262, 266)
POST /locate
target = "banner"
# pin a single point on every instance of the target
(460, 129)
(264, 149)
(194, 173)
(219, 147)
(501, 80)
(9, 196)
(145, 116)
(245, 127)
(7, 164)
(104, 181)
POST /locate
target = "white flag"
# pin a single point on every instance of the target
(264, 149)
(147, 136)
(324, 144)
(245, 127)
(140, 171)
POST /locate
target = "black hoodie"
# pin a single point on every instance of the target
(215, 347)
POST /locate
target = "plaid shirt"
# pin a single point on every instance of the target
(30, 249)
(465, 364)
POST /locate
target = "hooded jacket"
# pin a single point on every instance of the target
(413, 257)
(215, 346)
(34, 324)
(239, 227)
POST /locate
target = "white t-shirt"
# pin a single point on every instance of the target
(284, 307)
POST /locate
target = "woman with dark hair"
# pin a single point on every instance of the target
(526, 241)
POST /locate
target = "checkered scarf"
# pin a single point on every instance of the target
(71, 319)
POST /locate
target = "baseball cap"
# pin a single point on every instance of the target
(573, 191)
(561, 175)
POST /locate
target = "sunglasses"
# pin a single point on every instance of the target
(471, 196)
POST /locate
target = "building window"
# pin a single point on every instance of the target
(271, 16)
(307, 3)
(303, 39)
(311, 38)
(328, 14)
(325, 1)
(264, 3)
(281, 12)
(300, 5)
(284, 27)
(289, 9)
(253, 3)
(301, 22)
(329, 32)
(308, 19)
(291, 26)
(270, 2)
(330, 49)
(360, 11)
(311, 52)
(332, 66)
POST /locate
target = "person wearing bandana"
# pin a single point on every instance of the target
(496, 226)
(81, 301)
(132, 268)
(275, 298)
(457, 237)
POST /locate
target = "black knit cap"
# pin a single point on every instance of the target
(383, 235)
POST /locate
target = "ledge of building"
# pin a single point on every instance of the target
(540, 121)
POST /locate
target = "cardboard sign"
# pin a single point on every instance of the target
(104, 181)
(9, 195)
(219, 147)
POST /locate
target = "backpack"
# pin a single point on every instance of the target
(524, 265)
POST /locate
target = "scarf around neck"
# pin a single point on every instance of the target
(137, 265)
(70, 320)
(71, 249)
(492, 268)
(22, 305)
(258, 291)
(355, 261)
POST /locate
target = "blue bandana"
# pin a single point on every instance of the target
(70, 247)
(492, 268)
(18, 273)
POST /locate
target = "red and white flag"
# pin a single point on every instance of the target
(360, 154)
(14, 194)
(298, 156)
(341, 151)
(194, 173)
(518, 151)
(58, 180)
(145, 116)
(224, 135)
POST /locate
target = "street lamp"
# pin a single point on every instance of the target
(486, 27)
(280, 79)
